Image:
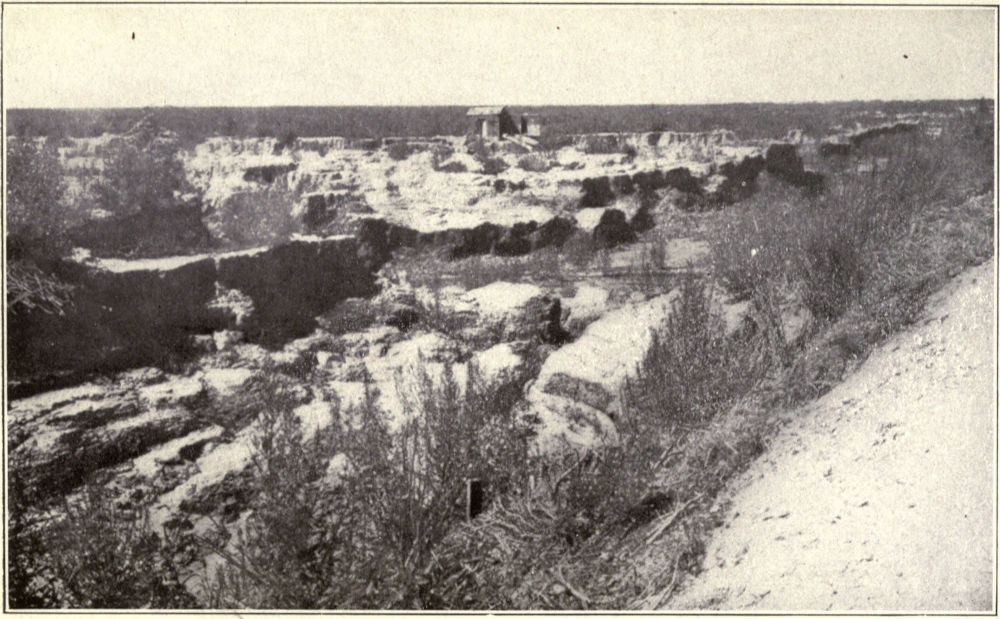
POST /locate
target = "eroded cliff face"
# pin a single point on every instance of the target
(132, 313)
(440, 184)
(127, 314)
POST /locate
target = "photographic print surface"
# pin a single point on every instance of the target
(500, 307)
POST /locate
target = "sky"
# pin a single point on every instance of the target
(230, 55)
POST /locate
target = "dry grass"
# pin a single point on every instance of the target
(720, 400)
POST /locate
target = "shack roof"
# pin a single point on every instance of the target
(486, 110)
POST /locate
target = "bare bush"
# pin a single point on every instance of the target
(692, 368)
(29, 288)
(290, 525)
(95, 554)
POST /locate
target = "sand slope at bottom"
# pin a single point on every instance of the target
(881, 494)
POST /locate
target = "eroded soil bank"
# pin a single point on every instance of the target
(878, 496)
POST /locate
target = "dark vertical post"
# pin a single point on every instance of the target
(473, 498)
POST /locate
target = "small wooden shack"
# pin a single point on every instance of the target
(531, 125)
(491, 121)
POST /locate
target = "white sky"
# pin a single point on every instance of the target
(85, 56)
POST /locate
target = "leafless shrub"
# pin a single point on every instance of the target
(93, 553)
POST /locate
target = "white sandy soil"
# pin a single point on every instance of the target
(881, 495)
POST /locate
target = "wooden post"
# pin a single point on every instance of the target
(473, 498)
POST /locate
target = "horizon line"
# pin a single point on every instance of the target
(461, 105)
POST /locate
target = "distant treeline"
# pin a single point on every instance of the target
(748, 120)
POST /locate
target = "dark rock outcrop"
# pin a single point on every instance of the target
(613, 229)
(860, 137)
(623, 185)
(649, 181)
(150, 232)
(147, 315)
(844, 145)
(740, 179)
(830, 148)
(552, 233)
(318, 210)
(643, 219)
(291, 284)
(466, 242)
(682, 180)
(678, 178)
(596, 192)
(267, 173)
(378, 238)
(115, 321)
(783, 162)
(516, 240)
(602, 191)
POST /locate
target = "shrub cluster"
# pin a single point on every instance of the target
(36, 213)
(90, 552)
(141, 173)
(831, 250)
(352, 515)
(398, 151)
(37, 224)
(262, 217)
(693, 369)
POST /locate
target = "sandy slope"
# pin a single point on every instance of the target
(880, 495)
